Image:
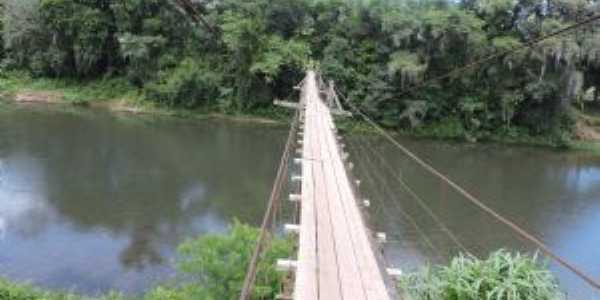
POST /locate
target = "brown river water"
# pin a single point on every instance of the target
(92, 201)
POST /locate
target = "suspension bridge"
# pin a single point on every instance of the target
(338, 256)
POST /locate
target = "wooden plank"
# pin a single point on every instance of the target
(329, 281)
(306, 276)
(373, 280)
(350, 278)
(306, 286)
(335, 258)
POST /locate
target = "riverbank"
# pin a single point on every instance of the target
(586, 135)
(117, 95)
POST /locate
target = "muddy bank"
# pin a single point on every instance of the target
(126, 106)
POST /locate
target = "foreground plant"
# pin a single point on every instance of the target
(211, 267)
(502, 276)
(218, 263)
(13, 291)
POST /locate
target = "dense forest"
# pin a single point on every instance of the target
(248, 52)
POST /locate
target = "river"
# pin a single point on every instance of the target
(93, 201)
(552, 194)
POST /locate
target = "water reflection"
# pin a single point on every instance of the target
(554, 195)
(23, 191)
(96, 201)
(585, 178)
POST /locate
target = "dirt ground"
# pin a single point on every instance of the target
(588, 127)
(38, 97)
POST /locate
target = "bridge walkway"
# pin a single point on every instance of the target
(336, 259)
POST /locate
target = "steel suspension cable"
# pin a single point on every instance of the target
(361, 165)
(406, 215)
(419, 201)
(271, 211)
(517, 229)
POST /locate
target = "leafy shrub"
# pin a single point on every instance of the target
(140, 51)
(11, 291)
(190, 84)
(502, 276)
(451, 128)
(218, 263)
(213, 267)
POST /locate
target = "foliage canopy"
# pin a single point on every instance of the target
(374, 50)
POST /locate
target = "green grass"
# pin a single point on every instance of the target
(452, 130)
(117, 94)
(72, 91)
(502, 276)
(13, 291)
(587, 146)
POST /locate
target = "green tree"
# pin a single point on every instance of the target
(218, 263)
(375, 50)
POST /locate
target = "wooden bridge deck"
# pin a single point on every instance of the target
(335, 258)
